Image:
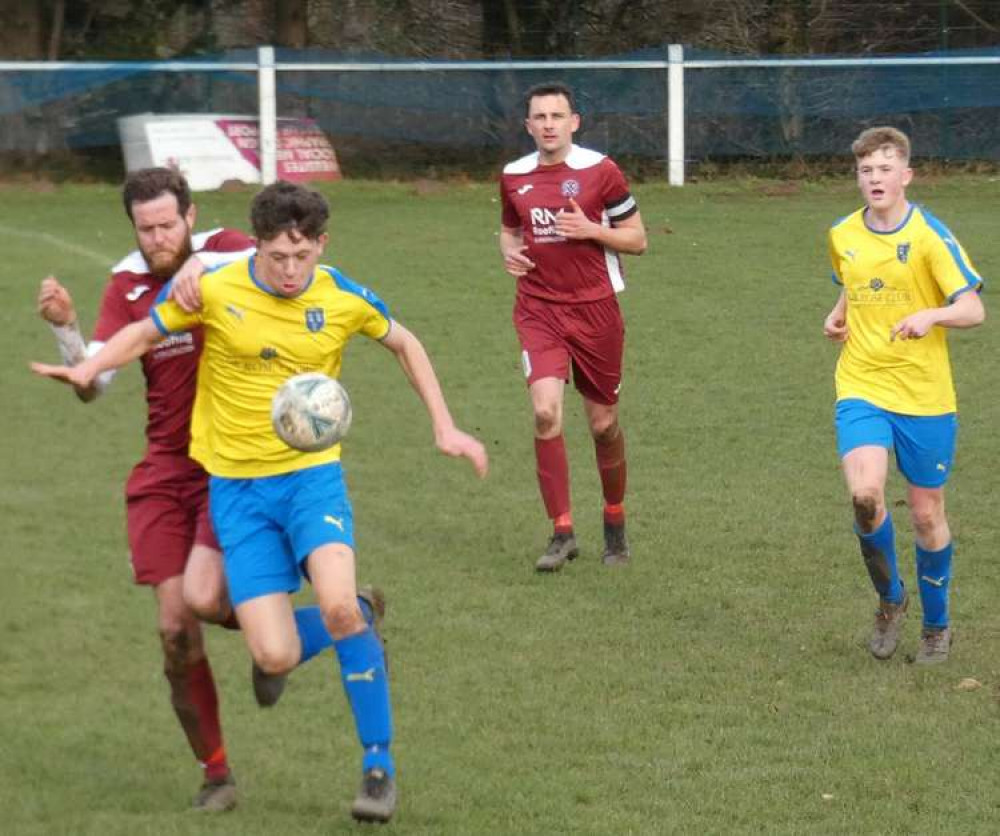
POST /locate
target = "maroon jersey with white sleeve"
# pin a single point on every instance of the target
(170, 368)
(531, 194)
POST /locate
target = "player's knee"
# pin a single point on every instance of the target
(927, 519)
(866, 509)
(604, 429)
(548, 421)
(276, 659)
(181, 643)
(204, 602)
(343, 618)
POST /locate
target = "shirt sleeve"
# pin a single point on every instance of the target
(225, 247)
(835, 276)
(618, 200)
(171, 318)
(370, 314)
(373, 323)
(228, 241)
(950, 265)
(508, 212)
(113, 314)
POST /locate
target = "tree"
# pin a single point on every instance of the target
(23, 35)
(292, 23)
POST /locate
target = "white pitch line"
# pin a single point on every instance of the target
(61, 243)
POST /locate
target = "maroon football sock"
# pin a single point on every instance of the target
(611, 465)
(553, 475)
(196, 704)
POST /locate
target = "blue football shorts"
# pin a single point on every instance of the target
(924, 444)
(268, 526)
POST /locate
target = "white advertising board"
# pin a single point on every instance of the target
(209, 149)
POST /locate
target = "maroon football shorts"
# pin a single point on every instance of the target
(589, 338)
(167, 512)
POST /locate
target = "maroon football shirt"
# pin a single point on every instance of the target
(566, 271)
(171, 367)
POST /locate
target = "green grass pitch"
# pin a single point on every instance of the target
(717, 685)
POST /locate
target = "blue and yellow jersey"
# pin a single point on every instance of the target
(254, 341)
(886, 276)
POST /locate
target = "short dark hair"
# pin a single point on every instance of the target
(150, 183)
(288, 207)
(549, 88)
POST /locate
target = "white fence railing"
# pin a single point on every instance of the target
(673, 69)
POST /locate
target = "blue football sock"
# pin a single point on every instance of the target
(362, 671)
(934, 577)
(366, 611)
(313, 634)
(879, 552)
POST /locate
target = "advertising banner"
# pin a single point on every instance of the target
(210, 149)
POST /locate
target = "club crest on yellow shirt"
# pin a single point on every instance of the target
(315, 319)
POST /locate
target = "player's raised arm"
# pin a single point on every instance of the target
(419, 371)
(128, 344)
(55, 306)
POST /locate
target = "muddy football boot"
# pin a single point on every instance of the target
(561, 548)
(889, 620)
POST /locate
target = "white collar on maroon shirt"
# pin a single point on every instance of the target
(578, 158)
(134, 262)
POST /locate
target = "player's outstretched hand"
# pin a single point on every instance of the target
(185, 288)
(573, 222)
(73, 375)
(54, 302)
(517, 263)
(454, 442)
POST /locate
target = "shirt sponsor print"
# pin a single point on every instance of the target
(543, 224)
(174, 345)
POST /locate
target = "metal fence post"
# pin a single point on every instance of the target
(268, 115)
(675, 114)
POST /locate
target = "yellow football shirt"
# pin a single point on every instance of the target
(254, 341)
(887, 276)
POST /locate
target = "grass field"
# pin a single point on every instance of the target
(717, 685)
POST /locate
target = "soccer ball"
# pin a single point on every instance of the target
(311, 412)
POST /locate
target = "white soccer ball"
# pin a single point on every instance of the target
(311, 412)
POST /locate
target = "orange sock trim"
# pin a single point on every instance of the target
(614, 514)
(216, 765)
(563, 523)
